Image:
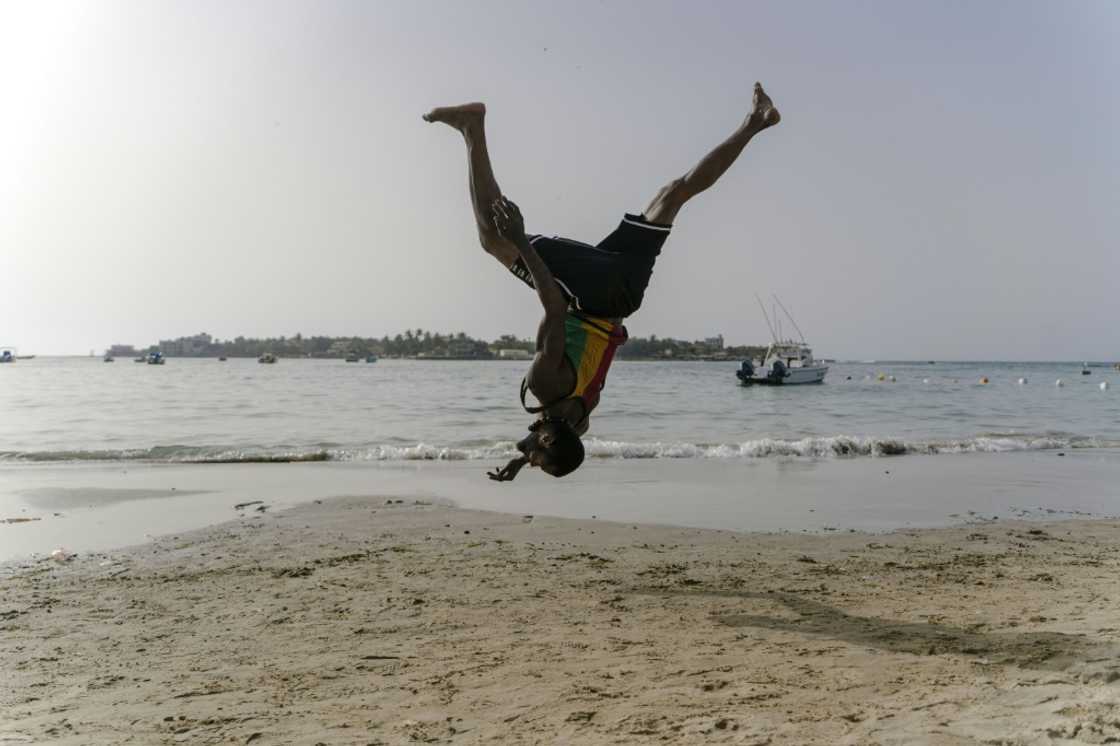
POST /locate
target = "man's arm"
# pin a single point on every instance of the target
(508, 472)
(550, 335)
(511, 226)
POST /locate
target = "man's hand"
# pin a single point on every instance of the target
(509, 471)
(508, 221)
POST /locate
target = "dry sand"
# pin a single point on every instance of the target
(357, 622)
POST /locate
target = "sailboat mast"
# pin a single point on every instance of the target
(773, 334)
(790, 317)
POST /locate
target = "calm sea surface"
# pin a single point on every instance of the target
(81, 409)
(96, 455)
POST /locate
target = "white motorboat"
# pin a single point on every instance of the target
(267, 358)
(155, 358)
(786, 362)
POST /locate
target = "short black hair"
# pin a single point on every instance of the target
(565, 454)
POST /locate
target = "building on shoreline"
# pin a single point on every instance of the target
(119, 350)
(198, 345)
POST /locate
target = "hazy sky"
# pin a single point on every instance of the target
(945, 182)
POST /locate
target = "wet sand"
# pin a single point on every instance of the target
(98, 506)
(353, 621)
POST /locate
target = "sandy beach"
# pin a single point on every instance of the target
(370, 621)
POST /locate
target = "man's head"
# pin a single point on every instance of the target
(553, 445)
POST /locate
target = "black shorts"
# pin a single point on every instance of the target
(609, 279)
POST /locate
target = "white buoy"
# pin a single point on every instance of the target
(925, 380)
(1104, 385)
(1059, 383)
(1022, 382)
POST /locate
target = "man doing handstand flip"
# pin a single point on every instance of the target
(586, 290)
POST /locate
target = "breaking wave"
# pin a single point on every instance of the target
(173, 454)
(837, 446)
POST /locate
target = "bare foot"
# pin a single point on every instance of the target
(460, 117)
(764, 114)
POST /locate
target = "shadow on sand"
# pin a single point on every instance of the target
(1051, 651)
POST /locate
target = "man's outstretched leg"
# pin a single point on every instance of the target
(668, 202)
(469, 119)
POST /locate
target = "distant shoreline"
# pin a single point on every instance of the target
(421, 344)
(1107, 365)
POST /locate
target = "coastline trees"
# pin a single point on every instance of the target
(420, 343)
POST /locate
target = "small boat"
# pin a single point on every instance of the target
(267, 358)
(785, 363)
(141, 359)
(107, 359)
(1085, 370)
(222, 359)
(371, 358)
(6, 356)
(156, 358)
(352, 357)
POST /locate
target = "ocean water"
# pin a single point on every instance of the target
(202, 410)
(96, 455)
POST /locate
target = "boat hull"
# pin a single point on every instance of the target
(793, 377)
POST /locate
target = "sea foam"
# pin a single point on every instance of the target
(836, 446)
